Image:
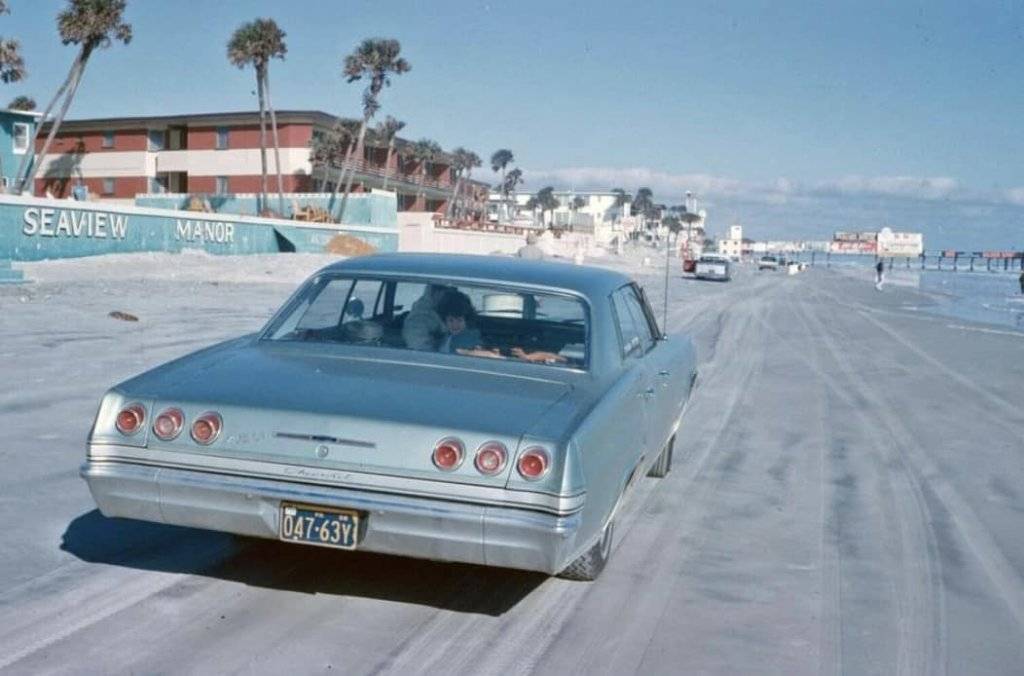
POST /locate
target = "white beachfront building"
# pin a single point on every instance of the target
(597, 215)
(732, 246)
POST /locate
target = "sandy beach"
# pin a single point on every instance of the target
(847, 497)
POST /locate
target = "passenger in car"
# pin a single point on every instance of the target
(459, 317)
(423, 328)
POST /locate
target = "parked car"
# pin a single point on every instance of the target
(768, 263)
(714, 267)
(335, 426)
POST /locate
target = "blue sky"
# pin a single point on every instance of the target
(793, 119)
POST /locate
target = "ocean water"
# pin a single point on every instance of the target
(993, 298)
(980, 296)
(989, 297)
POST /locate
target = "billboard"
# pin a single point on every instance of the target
(842, 246)
(854, 236)
(900, 243)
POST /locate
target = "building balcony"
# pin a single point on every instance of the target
(363, 166)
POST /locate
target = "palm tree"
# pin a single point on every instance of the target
(578, 202)
(255, 43)
(340, 140)
(547, 201)
(513, 179)
(621, 200)
(500, 159)
(425, 151)
(386, 133)
(472, 161)
(92, 25)
(12, 66)
(22, 103)
(463, 163)
(375, 59)
(643, 203)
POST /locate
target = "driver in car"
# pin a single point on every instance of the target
(457, 312)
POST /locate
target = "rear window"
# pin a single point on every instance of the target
(470, 320)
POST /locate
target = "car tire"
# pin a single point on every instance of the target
(663, 465)
(590, 564)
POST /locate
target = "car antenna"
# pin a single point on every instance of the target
(664, 312)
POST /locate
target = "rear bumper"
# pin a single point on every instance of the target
(416, 526)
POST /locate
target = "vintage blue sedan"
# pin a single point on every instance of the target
(460, 408)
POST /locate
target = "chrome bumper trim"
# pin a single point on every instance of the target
(393, 524)
(559, 505)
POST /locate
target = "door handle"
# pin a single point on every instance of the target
(664, 373)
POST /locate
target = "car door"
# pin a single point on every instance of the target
(637, 386)
(660, 362)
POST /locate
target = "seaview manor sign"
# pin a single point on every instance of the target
(39, 228)
(45, 222)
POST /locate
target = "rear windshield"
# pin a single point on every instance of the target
(472, 320)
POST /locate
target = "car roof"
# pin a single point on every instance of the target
(588, 281)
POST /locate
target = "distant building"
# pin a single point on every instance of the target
(733, 245)
(900, 243)
(597, 215)
(218, 153)
(885, 242)
(17, 127)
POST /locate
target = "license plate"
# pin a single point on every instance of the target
(321, 526)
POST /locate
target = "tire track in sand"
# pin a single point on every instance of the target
(524, 638)
(909, 535)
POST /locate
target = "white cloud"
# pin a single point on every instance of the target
(913, 187)
(671, 187)
(666, 186)
(1015, 196)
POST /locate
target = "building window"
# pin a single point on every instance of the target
(108, 139)
(155, 143)
(222, 138)
(221, 185)
(20, 138)
(108, 186)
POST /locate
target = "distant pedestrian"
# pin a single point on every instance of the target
(1022, 283)
(879, 274)
(531, 251)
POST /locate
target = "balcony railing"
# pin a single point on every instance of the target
(416, 178)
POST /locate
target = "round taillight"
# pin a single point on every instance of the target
(168, 424)
(448, 454)
(533, 463)
(130, 418)
(206, 428)
(490, 458)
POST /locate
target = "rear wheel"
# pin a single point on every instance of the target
(588, 566)
(663, 465)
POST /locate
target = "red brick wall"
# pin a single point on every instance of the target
(249, 184)
(248, 136)
(92, 142)
(125, 187)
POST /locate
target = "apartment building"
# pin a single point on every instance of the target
(219, 153)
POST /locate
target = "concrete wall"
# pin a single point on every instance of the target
(416, 232)
(375, 208)
(33, 228)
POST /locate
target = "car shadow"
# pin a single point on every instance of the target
(256, 562)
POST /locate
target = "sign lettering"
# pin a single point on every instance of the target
(46, 222)
(219, 232)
